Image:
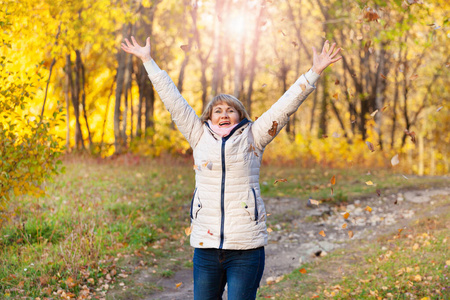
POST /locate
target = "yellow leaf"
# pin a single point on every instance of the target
(178, 285)
(322, 233)
(447, 262)
(417, 278)
(346, 215)
(269, 230)
(369, 182)
(368, 208)
(188, 230)
(344, 226)
(314, 202)
(415, 246)
(333, 180)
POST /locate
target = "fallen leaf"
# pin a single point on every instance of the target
(395, 161)
(303, 271)
(447, 262)
(371, 14)
(350, 234)
(272, 131)
(314, 202)
(346, 215)
(370, 145)
(269, 230)
(178, 285)
(369, 182)
(70, 283)
(368, 208)
(280, 180)
(322, 233)
(344, 225)
(359, 38)
(374, 113)
(332, 191)
(333, 180)
(400, 230)
(378, 192)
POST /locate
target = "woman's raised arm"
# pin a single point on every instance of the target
(182, 113)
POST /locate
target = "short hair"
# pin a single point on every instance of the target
(228, 99)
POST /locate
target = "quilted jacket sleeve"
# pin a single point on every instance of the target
(182, 113)
(266, 127)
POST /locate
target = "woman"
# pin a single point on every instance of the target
(228, 218)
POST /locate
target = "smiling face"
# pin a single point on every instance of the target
(224, 115)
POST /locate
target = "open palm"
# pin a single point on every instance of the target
(326, 57)
(136, 49)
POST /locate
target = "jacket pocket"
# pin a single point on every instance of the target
(196, 205)
(256, 205)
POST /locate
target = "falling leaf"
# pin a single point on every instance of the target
(336, 135)
(369, 182)
(333, 180)
(374, 113)
(336, 96)
(350, 234)
(264, 85)
(281, 31)
(303, 271)
(337, 82)
(303, 87)
(371, 14)
(394, 160)
(370, 145)
(384, 108)
(269, 230)
(244, 205)
(413, 77)
(346, 215)
(400, 230)
(188, 230)
(295, 44)
(184, 47)
(439, 108)
(314, 202)
(382, 76)
(178, 285)
(209, 232)
(322, 233)
(447, 65)
(344, 225)
(280, 180)
(332, 191)
(272, 131)
(412, 134)
(405, 177)
(359, 38)
(368, 208)
(378, 192)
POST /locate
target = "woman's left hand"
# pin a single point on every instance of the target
(325, 58)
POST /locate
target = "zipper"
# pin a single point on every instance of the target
(192, 201)
(222, 188)
(256, 206)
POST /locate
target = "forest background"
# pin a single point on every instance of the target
(387, 95)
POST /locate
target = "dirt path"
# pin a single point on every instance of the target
(295, 238)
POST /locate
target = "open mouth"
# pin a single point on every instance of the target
(224, 123)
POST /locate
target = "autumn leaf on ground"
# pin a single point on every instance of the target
(371, 14)
(272, 131)
(400, 230)
(346, 215)
(314, 202)
(184, 47)
(378, 192)
(370, 145)
(70, 283)
(303, 271)
(350, 234)
(369, 182)
(439, 108)
(368, 208)
(178, 285)
(280, 180)
(332, 191)
(333, 180)
(374, 113)
(394, 160)
(322, 233)
(269, 230)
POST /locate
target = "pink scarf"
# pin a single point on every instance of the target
(222, 131)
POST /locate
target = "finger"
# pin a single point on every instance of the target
(135, 43)
(325, 46)
(129, 45)
(335, 53)
(331, 48)
(147, 42)
(336, 59)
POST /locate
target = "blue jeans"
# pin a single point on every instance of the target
(241, 269)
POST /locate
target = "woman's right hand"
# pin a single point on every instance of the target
(134, 48)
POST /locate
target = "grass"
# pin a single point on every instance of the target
(412, 264)
(106, 222)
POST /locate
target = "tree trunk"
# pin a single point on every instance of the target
(81, 73)
(118, 140)
(74, 92)
(66, 96)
